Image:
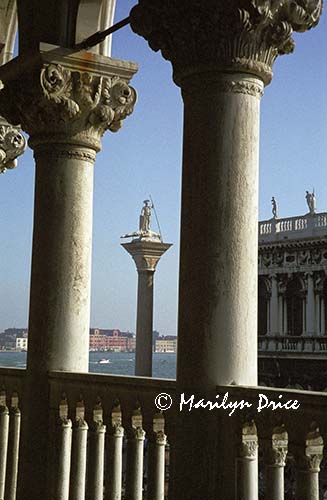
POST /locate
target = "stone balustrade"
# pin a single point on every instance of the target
(297, 344)
(309, 225)
(108, 440)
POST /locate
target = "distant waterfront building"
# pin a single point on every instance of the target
(111, 340)
(292, 300)
(8, 338)
(166, 344)
(21, 343)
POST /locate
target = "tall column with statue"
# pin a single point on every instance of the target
(146, 248)
(222, 55)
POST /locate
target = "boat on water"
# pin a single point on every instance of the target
(104, 361)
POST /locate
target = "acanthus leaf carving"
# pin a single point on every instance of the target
(54, 103)
(57, 86)
(12, 145)
(246, 35)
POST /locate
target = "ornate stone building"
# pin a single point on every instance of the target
(292, 293)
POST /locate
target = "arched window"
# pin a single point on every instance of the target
(263, 302)
(294, 300)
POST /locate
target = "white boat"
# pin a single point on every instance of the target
(103, 361)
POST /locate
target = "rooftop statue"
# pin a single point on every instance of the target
(274, 207)
(311, 202)
(144, 232)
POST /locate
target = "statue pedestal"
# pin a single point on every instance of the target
(146, 253)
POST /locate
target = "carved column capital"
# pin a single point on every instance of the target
(12, 145)
(238, 35)
(277, 454)
(146, 254)
(310, 460)
(249, 446)
(62, 98)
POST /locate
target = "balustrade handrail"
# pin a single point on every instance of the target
(289, 224)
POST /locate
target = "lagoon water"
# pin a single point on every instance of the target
(121, 363)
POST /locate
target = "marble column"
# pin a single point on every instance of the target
(275, 464)
(317, 315)
(274, 329)
(280, 314)
(222, 55)
(323, 316)
(65, 103)
(285, 321)
(310, 306)
(308, 467)
(146, 255)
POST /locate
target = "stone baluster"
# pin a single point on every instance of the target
(247, 464)
(156, 459)
(308, 467)
(310, 306)
(13, 449)
(65, 102)
(115, 456)
(64, 459)
(4, 434)
(276, 461)
(134, 472)
(96, 464)
(78, 475)
(222, 55)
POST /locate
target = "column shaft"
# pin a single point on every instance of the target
(285, 323)
(310, 307)
(280, 315)
(218, 259)
(60, 294)
(317, 316)
(323, 317)
(144, 324)
(217, 337)
(274, 306)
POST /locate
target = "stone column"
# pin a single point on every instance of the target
(317, 315)
(310, 306)
(280, 314)
(268, 306)
(285, 325)
(222, 55)
(323, 316)
(308, 467)
(274, 306)
(65, 103)
(247, 464)
(275, 464)
(146, 255)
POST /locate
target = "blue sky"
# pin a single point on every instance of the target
(144, 158)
